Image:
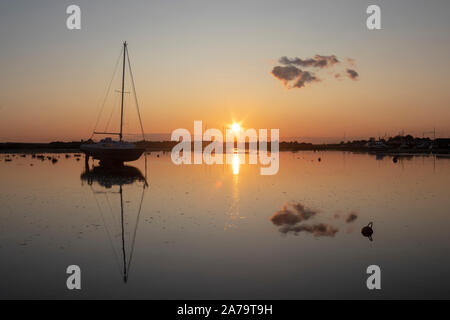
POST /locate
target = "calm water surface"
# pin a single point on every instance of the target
(225, 231)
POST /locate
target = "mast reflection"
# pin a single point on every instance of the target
(108, 179)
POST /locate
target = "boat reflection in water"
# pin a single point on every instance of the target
(107, 185)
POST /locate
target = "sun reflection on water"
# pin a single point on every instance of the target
(236, 164)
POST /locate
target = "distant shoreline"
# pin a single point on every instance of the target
(74, 147)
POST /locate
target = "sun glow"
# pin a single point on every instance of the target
(236, 127)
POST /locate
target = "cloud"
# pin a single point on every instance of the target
(292, 73)
(351, 217)
(304, 78)
(352, 74)
(318, 61)
(286, 73)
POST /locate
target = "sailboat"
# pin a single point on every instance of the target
(109, 151)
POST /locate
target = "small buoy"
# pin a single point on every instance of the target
(319, 159)
(367, 231)
(395, 160)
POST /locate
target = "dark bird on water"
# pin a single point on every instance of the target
(367, 231)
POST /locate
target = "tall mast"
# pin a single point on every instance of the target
(123, 88)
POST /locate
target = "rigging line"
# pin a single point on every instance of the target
(134, 91)
(135, 229)
(107, 232)
(106, 95)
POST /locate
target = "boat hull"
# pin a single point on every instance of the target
(112, 155)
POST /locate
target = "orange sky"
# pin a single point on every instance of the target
(214, 65)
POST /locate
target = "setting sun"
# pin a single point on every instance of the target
(235, 127)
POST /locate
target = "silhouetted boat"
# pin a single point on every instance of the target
(110, 151)
(107, 150)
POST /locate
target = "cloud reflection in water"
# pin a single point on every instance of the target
(290, 218)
